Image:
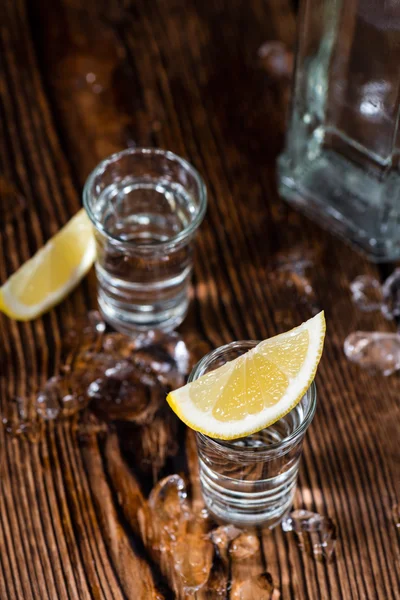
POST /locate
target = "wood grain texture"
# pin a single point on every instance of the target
(183, 75)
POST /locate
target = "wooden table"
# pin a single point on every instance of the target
(80, 80)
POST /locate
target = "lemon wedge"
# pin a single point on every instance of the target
(256, 389)
(51, 273)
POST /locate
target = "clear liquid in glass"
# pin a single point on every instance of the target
(138, 282)
(252, 490)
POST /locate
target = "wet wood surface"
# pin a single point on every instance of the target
(79, 80)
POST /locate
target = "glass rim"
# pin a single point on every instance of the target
(199, 369)
(112, 158)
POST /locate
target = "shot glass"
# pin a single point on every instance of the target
(252, 481)
(146, 206)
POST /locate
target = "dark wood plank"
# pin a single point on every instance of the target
(77, 82)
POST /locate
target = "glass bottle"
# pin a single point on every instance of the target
(340, 164)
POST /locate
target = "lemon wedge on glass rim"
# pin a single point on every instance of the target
(256, 389)
(46, 278)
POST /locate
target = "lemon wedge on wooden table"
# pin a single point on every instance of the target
(46, 278)
(256, 389)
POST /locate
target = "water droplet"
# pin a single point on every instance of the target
(276, 59)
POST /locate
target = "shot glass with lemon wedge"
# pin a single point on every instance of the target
(251, 404)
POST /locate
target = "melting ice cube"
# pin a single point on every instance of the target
(374, 350)
(367, 293)
(193, 554)
(260, 587)
(391, 295)
(316, 534)
(169, 509)
(222, 537)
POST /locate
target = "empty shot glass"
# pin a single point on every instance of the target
(146, 206)
(252, 480)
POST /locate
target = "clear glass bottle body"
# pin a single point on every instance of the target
(341, 160)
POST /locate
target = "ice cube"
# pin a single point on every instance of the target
(125, 393)
(119, 345)
(62, 395)
(71, 403)
(315, 533)
(218, 584)
(155, 359)
(18, 422)
(367, 293)
(391, 295)
(258, 587)
(175, 537)
(222, 537)
(48, 404)
(292, 269)
(114, 367)
(193, 554)
(374, 350)
(82, 344)
(244, 546)
(83, 331)
(297, 261)
(166, 355)
(169, 510)
(161, 354)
